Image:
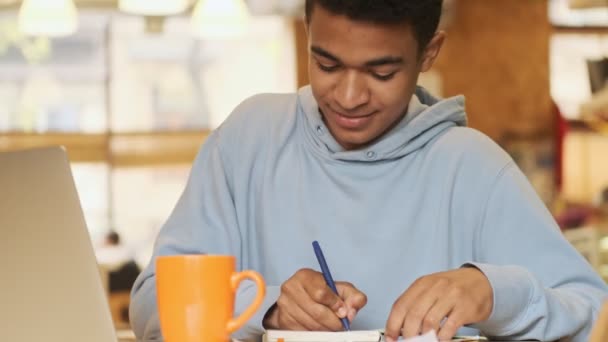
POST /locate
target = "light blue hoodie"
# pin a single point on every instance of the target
(429, 196)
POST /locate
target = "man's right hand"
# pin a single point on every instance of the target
(307, 303)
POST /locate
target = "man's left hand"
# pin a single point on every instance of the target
(442, 301)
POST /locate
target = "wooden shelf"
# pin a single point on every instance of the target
(147, 149)
(81, 147)
(581, 29)
(136, 149)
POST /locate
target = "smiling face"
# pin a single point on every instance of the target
(363, 74)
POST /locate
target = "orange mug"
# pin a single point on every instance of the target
(195, 295)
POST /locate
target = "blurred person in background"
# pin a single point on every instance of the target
(118, 259)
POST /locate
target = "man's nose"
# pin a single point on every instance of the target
(352, 91)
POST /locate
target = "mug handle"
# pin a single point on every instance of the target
(235, 323)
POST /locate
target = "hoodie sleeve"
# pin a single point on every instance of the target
(203, 221)
(543, 288)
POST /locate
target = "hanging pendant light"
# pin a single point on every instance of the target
(153, 7)
(220, 19)
(50, 18)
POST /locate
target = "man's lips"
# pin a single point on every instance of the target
(352, 121)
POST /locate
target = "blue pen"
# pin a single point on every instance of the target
(327, 275)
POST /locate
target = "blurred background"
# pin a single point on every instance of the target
(133, 87)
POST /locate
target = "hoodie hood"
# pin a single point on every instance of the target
(426, 118)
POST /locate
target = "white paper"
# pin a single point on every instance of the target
(428, 337)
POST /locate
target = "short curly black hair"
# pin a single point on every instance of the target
(422, 15)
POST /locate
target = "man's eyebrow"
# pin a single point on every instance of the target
(384, 61)
(387, 60)
(323, 53)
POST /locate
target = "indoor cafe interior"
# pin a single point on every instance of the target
(132, 90)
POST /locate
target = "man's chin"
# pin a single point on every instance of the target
(353, 143)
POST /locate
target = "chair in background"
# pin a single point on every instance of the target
(117, 282)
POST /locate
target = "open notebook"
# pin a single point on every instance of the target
(351, 336)
(323, 336)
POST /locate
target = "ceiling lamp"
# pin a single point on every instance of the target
(153, 7)
(50, 18)
(220, 19)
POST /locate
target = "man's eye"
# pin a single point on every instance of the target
(328, 68)
(383, 77)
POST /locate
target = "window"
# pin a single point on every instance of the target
(133, 107)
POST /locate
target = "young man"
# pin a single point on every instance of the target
(429, 224)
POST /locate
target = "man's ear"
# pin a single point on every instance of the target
(430, 53)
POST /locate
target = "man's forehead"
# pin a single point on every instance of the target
(324, 17)
(358, 49)
(339, 34)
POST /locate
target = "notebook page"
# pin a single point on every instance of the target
(323, 336)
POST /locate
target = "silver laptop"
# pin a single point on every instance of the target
(50, 287)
